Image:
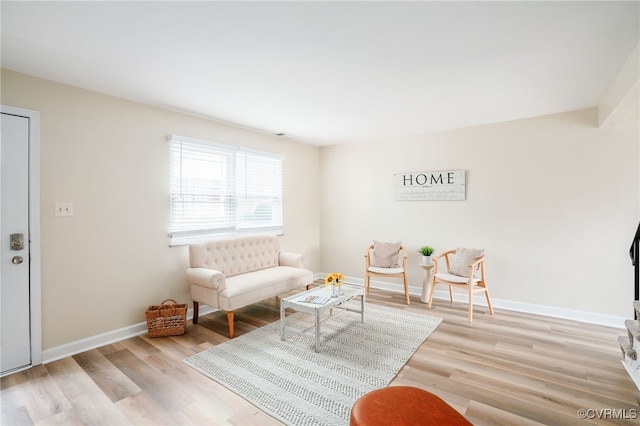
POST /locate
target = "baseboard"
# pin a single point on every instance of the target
(529, 308)
(93, 342)
(82, 345)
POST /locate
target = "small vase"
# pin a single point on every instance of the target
(335, 290)
(426, 260)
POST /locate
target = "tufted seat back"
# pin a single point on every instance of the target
(236, 256)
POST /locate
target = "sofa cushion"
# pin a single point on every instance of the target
(251, 287)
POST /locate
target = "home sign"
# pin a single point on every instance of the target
(444, 185)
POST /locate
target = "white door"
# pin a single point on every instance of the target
(15, 340)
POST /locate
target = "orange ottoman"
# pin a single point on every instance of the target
(403, 405)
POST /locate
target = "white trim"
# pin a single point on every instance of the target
(82, 345)
(93, 342)
(510, 305)
(198, 239)
(35, 274)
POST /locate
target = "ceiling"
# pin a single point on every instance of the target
(331, 72)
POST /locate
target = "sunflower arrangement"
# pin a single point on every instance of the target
(334, 278)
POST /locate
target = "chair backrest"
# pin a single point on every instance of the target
(401, 259)
(460, 260)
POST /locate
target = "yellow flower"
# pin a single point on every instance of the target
(334, 277)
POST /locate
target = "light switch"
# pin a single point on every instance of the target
(64, 208)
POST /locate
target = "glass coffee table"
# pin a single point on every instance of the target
(316, 302)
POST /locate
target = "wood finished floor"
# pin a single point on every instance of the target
(509, 369)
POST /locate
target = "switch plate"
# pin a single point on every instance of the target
(64, 208)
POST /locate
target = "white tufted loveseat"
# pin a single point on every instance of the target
(233, 273)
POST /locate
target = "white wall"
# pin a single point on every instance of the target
(103, 266)
(553, 200)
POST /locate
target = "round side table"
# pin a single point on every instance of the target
(426, 282)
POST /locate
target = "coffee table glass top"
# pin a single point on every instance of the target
(316, 302)
(321, 296)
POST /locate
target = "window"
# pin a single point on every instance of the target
(220, 189)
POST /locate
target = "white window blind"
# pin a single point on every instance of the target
(220, 189)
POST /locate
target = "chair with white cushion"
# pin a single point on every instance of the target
(387, 260)
(464, 270)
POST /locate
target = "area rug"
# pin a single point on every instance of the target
(293, 383)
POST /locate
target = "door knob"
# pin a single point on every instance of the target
(16, 260)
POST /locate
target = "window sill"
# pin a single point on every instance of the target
(199, 239)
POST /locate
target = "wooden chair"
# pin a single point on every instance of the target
(471, 280)
(399, 272)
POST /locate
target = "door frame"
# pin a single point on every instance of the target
(35, 284)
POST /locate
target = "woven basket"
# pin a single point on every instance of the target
(166, 320)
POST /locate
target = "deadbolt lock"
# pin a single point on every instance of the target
(17, 241)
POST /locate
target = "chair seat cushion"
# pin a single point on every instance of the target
(386, 271)
(445, 276)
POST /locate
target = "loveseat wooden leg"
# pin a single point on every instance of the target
(195, 312)
(230, 321)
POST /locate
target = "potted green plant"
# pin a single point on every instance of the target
(426, 252)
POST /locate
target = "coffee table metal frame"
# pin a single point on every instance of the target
(348, 292)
